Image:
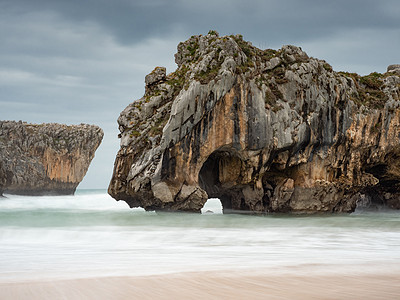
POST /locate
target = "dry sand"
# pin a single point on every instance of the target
(212, 285)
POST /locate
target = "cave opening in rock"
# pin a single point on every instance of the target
(219, 175)
(385, 192)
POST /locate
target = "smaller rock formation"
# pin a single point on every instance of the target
(41, 159)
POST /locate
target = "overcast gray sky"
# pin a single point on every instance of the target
(84, 61)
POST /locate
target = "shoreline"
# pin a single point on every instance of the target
(213, 285)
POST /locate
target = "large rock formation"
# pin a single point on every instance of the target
(40, 159)
(262, 130)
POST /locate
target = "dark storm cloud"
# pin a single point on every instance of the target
(268, 24)
(291, 20)
(128, 21)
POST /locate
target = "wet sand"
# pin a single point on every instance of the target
(212, 285)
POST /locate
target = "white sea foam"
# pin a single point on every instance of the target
(91, 234)
(86, 199)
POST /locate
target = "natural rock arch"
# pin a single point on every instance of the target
(219, 175)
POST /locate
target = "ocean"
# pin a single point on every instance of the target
(92, 235)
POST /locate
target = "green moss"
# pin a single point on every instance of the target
(138, 105)
(370, 98)
(354, 76)
(372, 81)
(254, 55)
(194, 45)
(155, 131)
(152, 94)
(374, 98)
(267, 54)
(242, 69)
(369, 91)
(279, 74)
(327, 67)
(260, 81)
(158, 126)
(244, 46)
(245, 67)
(206, 76)
(178, 79)
(134, 133)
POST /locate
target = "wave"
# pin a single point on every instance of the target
(91, 234)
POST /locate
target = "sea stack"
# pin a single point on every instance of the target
(262, 130)
(43, 159)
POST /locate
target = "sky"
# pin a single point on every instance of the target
(84, 61)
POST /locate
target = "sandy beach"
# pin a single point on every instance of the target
(212, 285)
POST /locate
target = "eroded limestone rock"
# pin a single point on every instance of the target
(394, 69)
(262, 130)
(40, 159)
